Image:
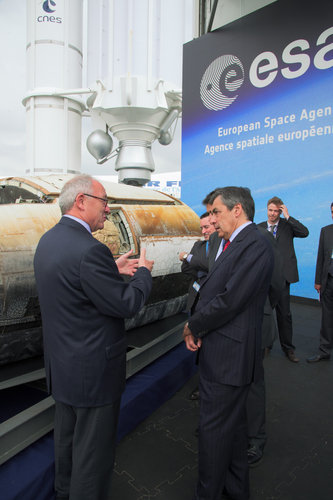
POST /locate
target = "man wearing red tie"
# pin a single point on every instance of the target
(226, 327)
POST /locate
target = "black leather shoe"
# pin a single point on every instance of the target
(318, 357)
(254, 456)
(291, 356)
(194, 395)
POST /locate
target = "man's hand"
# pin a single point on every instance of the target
(143, 262)
(126, 265)
(285, 211)
(181, 255)
(317, 287)
(192, 344)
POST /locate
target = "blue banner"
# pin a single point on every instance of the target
(258, 112)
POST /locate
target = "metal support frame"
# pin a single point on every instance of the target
(205, 20)
(25, 428)
(31, 424)
(212, 16)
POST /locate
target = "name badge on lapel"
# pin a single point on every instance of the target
(196, 286)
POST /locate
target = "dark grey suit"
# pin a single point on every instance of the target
(83, 302)
(214, 245)
(287, 230)
(197, 268)
(228, 317)
(256, 401)
(324, 277)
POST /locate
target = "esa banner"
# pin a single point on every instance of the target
(258, 112)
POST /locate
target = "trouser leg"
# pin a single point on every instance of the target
(64, 424)
(326, 330)
(256, 413)
(94, 444)
(85, 441)
(284, 319)
(222, 442)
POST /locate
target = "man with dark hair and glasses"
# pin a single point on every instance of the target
(84, 301)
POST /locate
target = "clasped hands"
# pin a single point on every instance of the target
(192, 343)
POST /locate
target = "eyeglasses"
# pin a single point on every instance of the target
(104, 200)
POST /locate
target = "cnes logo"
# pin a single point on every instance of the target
(225, 75)
(49, 7)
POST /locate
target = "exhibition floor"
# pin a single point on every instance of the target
(159, 459)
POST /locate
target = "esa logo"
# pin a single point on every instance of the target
(48, 8)
(225, 75)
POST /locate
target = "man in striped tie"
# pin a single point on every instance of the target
(285, 230)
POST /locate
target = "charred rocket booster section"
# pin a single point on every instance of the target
(139, 218)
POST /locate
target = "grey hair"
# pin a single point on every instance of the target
(232, 195)
(82, 183)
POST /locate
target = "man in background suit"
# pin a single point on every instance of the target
(84, 301)
(226, 327)
(195, 263)
(324, 286)
(285, 230)
(215, 241)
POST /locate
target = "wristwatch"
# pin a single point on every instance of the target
(185, 256)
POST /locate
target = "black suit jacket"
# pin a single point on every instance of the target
(197, 264)
(229, 312)
(324, 256)
(269, 330)
(287, 230)
(84, 301)
(277, 281)
(214, 244)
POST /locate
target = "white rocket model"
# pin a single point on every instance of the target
(54, 64)
(134, 51)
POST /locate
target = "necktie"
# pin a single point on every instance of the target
(226, 244)
(272, 230)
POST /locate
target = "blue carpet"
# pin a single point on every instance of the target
(30, 474)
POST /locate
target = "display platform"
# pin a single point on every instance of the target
(30, 474)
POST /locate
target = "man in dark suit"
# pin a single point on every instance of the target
(226, 326)
(324, 286)
(256, 401)
(285, 230)
(84, 301)
(195, 263)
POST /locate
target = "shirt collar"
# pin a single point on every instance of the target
(238, 230)
(275, 224)
(80, 221)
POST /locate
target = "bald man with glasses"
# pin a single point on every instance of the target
(84, 301)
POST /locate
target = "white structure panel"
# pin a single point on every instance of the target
(165, 252)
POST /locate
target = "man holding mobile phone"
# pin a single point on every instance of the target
(285, 230)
